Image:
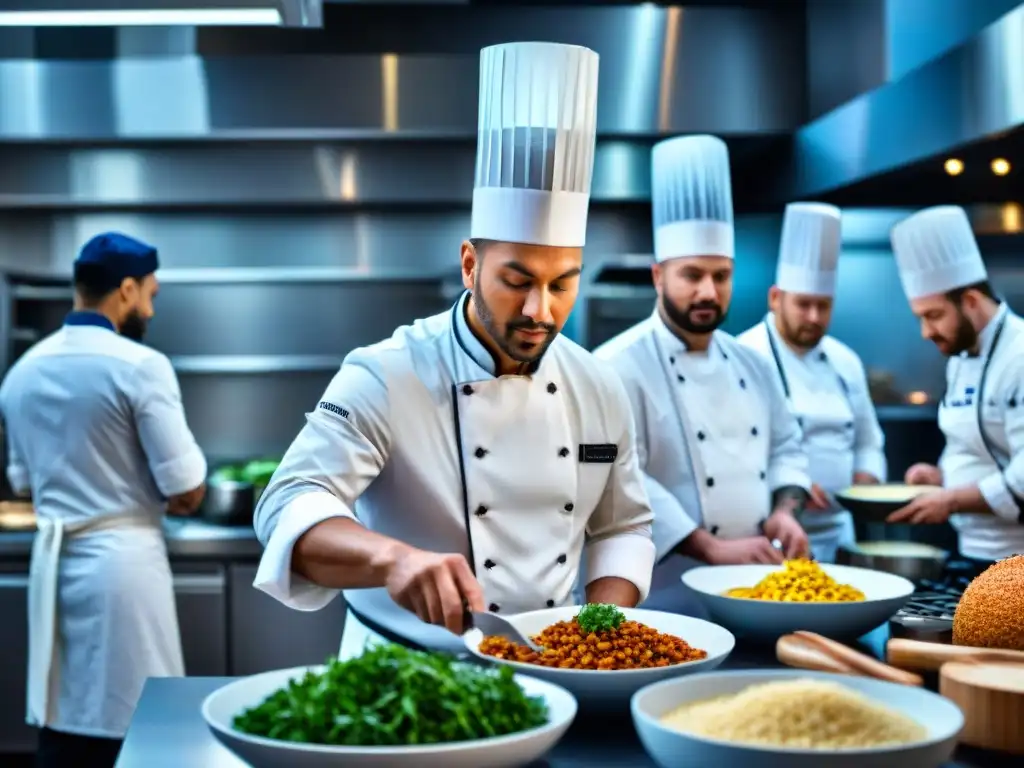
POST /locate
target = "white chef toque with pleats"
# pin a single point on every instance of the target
(535, 143)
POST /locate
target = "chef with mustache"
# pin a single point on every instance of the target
(721, 451)
(981, 415)
(475, 457)
(823, 379)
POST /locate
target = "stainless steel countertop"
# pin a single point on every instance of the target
(185, 538)
(168, 731)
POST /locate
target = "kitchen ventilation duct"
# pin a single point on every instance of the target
(157, 13)
(974, 92)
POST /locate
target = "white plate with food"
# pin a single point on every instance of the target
(874, 503)
(605, 654)
(381, 711)
(794, 719)
(768, 601)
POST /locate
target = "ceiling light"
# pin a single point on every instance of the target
(1000, 166)
(954, 167)
(171, 17)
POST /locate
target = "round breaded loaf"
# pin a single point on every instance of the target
(991, 611)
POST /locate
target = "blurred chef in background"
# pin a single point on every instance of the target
(982, 412)
(97, 435)
(823, 379)
(725, 471)
(472, 459)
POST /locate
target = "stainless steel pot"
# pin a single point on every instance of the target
(917, 562)
(228, 502)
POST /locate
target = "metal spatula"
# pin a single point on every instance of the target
(494, 625)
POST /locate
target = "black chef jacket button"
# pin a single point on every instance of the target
(569, 507)
(681, 377)
(563, 452)
(551, 603)
(822, 356)
(672, 360)
(552, 388)
(710, 482)
(743, 383)
(481, 511)
(1013, 402)
(849, 425)
(753, 431)
(714, 530)
(467, 390)
(493, 608)
(480, 452)
(488, 563)
(763, 475)
(561, 559)
(701, 435)
(725, 356)
(800, 421)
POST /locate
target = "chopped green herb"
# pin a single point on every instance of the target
(599, 617)
(394, 696)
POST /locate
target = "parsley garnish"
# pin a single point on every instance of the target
(394, 696)
(599, 617)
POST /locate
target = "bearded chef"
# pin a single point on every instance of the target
(981, 414)
(475, 456)
(721, 451)
(823, 379)
(97, 434)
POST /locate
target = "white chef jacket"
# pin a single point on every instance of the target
(991, 456)
(97, 434)
(417, 439)
(827, 390)
(715, 437)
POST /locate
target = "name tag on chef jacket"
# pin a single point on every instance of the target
(967, 400)
(598, 453)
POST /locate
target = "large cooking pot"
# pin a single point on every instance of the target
(909, 559)
(228, 502)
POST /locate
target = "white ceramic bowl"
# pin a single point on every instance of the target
(884, 594)
(614, 687)
(221, 706)
(672, 749)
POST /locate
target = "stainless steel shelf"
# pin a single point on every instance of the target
(43, 293)
(255, 364)
(243, 275)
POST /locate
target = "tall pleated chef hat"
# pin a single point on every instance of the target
(936, 252)
(535, 143)
(691, 198)
(809, 249)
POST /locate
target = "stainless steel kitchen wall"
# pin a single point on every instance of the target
(663, 70)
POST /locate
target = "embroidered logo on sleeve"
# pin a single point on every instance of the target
(333, 408)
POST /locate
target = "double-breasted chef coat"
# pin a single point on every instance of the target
(417, 439)
(715, 437)
(96, 432)
(982, 419)
(827, 389)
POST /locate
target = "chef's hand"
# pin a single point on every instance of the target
(784, 527)
(923, 474)
(931, 508)
(818, 500)
(753, 550)
(865, 478)
(436, 587)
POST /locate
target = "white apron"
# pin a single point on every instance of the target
(112, 604)
(826, 418)
(727, 443)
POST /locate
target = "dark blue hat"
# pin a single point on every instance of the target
(116, 256)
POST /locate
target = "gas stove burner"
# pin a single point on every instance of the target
(928, 614)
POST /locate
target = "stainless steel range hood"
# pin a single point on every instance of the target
(121, 13)
(971, 93)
